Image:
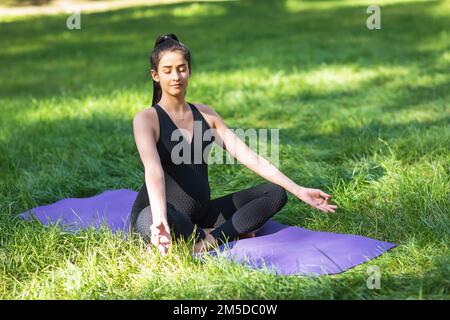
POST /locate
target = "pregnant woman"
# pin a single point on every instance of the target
(176, 195)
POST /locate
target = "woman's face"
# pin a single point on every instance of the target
(172, 69)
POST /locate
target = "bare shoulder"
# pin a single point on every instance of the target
(147, 120)
(146, 117)
(210, 115)
(204, 108)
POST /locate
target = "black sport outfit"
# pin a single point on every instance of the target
(188, 194)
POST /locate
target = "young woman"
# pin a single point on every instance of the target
(176, 195)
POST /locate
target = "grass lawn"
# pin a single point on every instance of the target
(363, 115)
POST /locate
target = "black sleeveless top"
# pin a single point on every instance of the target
(185, 164)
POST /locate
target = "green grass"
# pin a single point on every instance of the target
(363, 115)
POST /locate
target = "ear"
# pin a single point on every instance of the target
(154, 75)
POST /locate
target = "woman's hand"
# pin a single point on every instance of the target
(160, 236)
(316, 198)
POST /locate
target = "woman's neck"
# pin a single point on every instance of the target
(173, 104)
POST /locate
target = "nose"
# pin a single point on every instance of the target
(176, 75)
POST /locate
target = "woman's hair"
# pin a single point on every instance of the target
(166, 42)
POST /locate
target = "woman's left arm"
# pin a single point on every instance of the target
(316, 198)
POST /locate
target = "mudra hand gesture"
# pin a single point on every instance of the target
(316, 198)
(160, 236)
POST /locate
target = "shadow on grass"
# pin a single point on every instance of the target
(111, 50)
(43, 59)
(351, 142)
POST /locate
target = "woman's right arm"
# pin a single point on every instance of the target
(144, 135)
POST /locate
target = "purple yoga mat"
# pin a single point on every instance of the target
(280, 248)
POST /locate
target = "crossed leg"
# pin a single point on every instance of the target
(233, 216)
(239, 214)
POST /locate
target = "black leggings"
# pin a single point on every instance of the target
(231, 215)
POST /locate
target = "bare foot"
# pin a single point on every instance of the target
(248, 235)
(209, 241)
(205, 244)
(208, 230)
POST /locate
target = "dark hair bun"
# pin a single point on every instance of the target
(165, 37)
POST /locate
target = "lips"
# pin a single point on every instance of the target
(176, 85)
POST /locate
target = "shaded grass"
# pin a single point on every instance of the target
(362, 114)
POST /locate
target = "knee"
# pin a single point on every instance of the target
(143, 223)
(279, 195)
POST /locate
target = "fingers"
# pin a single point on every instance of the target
(322, 208)
(318, 199)
(163, 239)
(160, 237)
(323, 194)
(163, 249)
(325, 207)
(162, 245)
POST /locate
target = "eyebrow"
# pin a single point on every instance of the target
(171, 66)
